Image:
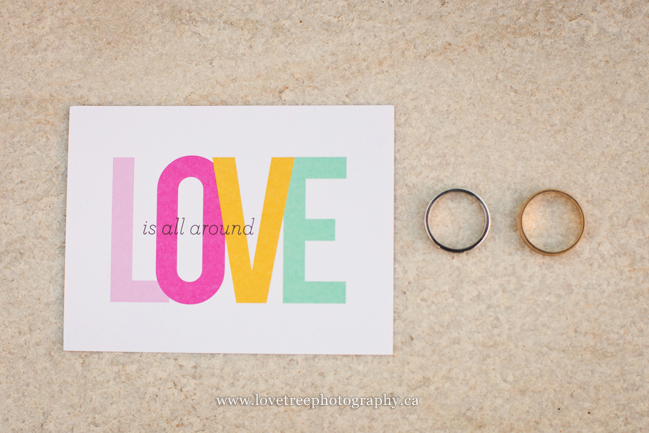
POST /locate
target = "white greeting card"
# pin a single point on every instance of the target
(230, 230)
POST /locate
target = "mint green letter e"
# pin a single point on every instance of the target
(298, 229)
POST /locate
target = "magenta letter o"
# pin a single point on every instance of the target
(211, 277)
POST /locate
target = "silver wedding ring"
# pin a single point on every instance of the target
(486, 215)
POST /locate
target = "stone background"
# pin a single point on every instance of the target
(501, 97)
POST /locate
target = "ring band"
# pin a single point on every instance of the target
(486, 214)
(526, 239)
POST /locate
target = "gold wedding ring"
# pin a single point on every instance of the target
(535, 248)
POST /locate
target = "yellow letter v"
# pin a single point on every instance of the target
(251, 283)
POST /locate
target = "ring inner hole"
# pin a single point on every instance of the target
(551, 222)
(457, 220)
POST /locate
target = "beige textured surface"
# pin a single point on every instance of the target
(501, 97)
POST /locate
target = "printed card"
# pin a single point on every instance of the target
(230, 230)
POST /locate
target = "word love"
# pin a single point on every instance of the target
(284, 201)
(195, 229)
